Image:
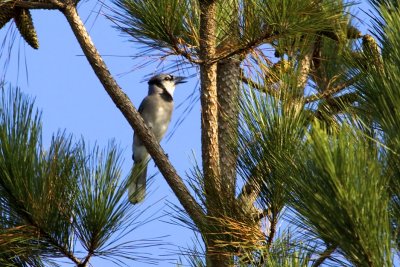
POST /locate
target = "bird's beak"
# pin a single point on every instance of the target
(179, 79)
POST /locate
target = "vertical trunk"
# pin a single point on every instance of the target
(209, 131)
(228, 114)
(209, 103)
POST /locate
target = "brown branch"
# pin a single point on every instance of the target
(272, 229)
(50, 4)
(324, 255)
(332, 91)
(221, 52)
(126, 107)
(252, 83)
(65, 251)
(243, 50)
(86, 260)
(183, 52)
(50, 239)
(260, 87)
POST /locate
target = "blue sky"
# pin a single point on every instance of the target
(71, 98)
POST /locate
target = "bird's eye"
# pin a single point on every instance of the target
(169, 78)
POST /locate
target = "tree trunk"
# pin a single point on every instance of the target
(228, 115)
(209, 103)
(209, 133)
(217, 258)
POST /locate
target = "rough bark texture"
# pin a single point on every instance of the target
(228, 114)
(132, 115)
(209, 102)
(209, 132)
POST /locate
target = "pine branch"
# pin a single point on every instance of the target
(126, 107)
(333, 90)
(48, 4)
(260, 87)
(252, 83)
(85, 262)
(267, 36)
(272, 229)
(325, 255)
(41, 232)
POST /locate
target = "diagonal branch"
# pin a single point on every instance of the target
(272, 229)
(267, 36)
(333, 90)
(41, 232)
(126, 107)
(324, 255)
(49, 4)
(255, 85)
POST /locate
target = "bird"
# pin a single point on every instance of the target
(156, 111)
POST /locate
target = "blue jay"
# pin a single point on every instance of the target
(156, 110)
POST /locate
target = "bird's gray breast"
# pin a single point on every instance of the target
(156, 113)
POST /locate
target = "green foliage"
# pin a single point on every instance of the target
(36, 187)
(159, 24)
(101, 209)
(286, 252)
(271, 128)
(173, 25)
(379, 89)
(340, 195)
(52, 199)
(379, 86)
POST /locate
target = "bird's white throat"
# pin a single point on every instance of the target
(170, 88)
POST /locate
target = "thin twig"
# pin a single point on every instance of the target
(182, 52)
(261, 215)
(272, 229)
(332, 91)
(260, 87)
(86, 260)
(324, 255)
(243, 50)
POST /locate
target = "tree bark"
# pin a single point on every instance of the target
(215, 257)
(209, 102)
(228, 116)
(123, 103)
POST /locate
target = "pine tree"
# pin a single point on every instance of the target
(297, 105)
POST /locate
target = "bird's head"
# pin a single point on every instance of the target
(165, 82)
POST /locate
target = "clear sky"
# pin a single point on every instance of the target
(71, 98)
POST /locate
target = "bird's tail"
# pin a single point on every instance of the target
(137, 187)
